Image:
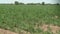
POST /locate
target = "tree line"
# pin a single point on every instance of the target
(43, 3)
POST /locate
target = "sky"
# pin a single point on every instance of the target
(30, 1)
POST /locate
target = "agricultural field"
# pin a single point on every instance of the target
(30, 19)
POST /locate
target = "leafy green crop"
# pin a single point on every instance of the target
(25, 17)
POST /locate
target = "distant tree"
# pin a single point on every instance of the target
(37, 3)
(57, 4)
(28, 4)
(43, 3)
(16, 3)
(31, 3)
(21, 3)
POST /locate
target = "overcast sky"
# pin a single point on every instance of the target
(30, 1)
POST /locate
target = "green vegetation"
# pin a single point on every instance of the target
(43, 3)
(16, 3)
(25, 17)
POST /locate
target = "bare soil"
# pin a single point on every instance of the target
(54, 29)
(2, 31)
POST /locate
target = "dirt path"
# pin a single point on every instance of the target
(2, 31)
